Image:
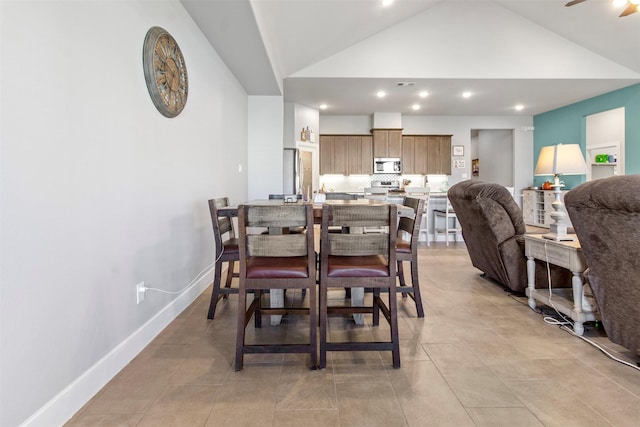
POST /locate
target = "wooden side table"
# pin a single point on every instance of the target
(567, 255)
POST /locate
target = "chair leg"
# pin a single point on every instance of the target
(240, 330)
(313, 338)
(229, 277)
(323, 327)
(376, 306)
(257, 315)
(395, 337)
(415, 283)
(401, 277)
(216, 290)
(446, 229)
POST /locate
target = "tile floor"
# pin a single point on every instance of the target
(479, 358)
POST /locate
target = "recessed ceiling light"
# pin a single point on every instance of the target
(519, 107)
(323, 106)
(466, 94)
(387, 2)
(415, 107)
(424, 94)
(381, 94)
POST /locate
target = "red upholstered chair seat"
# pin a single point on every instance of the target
(358, 266)
(231, 246)
(277, 268)
(403, 246)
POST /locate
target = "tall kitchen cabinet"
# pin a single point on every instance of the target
(387, 142)
(346, 154)
(426, 154)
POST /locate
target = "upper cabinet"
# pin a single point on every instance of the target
(387, 142)
(354, 154)
(439, 154)
(426, 154)
(360, 155)
(346, 154)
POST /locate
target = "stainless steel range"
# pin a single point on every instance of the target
(389, 185)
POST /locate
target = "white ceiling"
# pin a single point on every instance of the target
(341, 52)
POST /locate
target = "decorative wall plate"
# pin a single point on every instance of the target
(165, 72)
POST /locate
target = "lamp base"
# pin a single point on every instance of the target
(558, 237)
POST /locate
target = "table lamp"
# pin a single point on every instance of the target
(556, 160)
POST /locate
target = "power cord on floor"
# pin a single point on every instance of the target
(599, 347)
(564, 322)
(203, 272)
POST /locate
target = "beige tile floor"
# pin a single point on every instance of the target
(479, 358)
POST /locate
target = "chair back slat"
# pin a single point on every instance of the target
(221, 225)
(358, 244)
(277, 216)
(281, 245)
(412, 224)
(360, 216)
(225, 224)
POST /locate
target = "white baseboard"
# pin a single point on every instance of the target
(65, 404)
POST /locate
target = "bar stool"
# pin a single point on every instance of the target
(449, 217)
(226, 251)
(422, 193)
(365, 260)
(277, 260)
(407, 250)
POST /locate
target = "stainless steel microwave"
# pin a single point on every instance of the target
(387, 165)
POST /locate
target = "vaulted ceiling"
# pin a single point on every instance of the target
(536, 53)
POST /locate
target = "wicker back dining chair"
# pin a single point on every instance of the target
(359, 260)
(276, 260)
(226, 250)
(407, 250)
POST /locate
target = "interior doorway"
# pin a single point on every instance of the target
(307, 172)
(492, 156)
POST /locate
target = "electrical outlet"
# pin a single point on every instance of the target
(140, 290)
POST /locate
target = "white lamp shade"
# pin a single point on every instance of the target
(563, 159)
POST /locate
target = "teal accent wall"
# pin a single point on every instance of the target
(567, 125)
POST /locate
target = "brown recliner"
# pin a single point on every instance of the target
(493, 229)
(605, 214)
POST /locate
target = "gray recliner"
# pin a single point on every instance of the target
(605, 214)
(493, 229)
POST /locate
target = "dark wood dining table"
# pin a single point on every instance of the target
(232, 211)
(357, 294)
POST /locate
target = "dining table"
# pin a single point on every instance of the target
(357, 293)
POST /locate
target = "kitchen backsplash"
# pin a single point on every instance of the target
(357, 183)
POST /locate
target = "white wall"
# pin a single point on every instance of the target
(298, 117)
(265, 146)
(355, 125)
(495, 148)
(99, 192)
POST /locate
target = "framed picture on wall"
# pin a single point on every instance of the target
(475, 167)
(458, 150)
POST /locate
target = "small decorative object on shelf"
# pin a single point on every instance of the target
(303, 135)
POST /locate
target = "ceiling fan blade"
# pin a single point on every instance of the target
(573, 2)
(632, 8)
